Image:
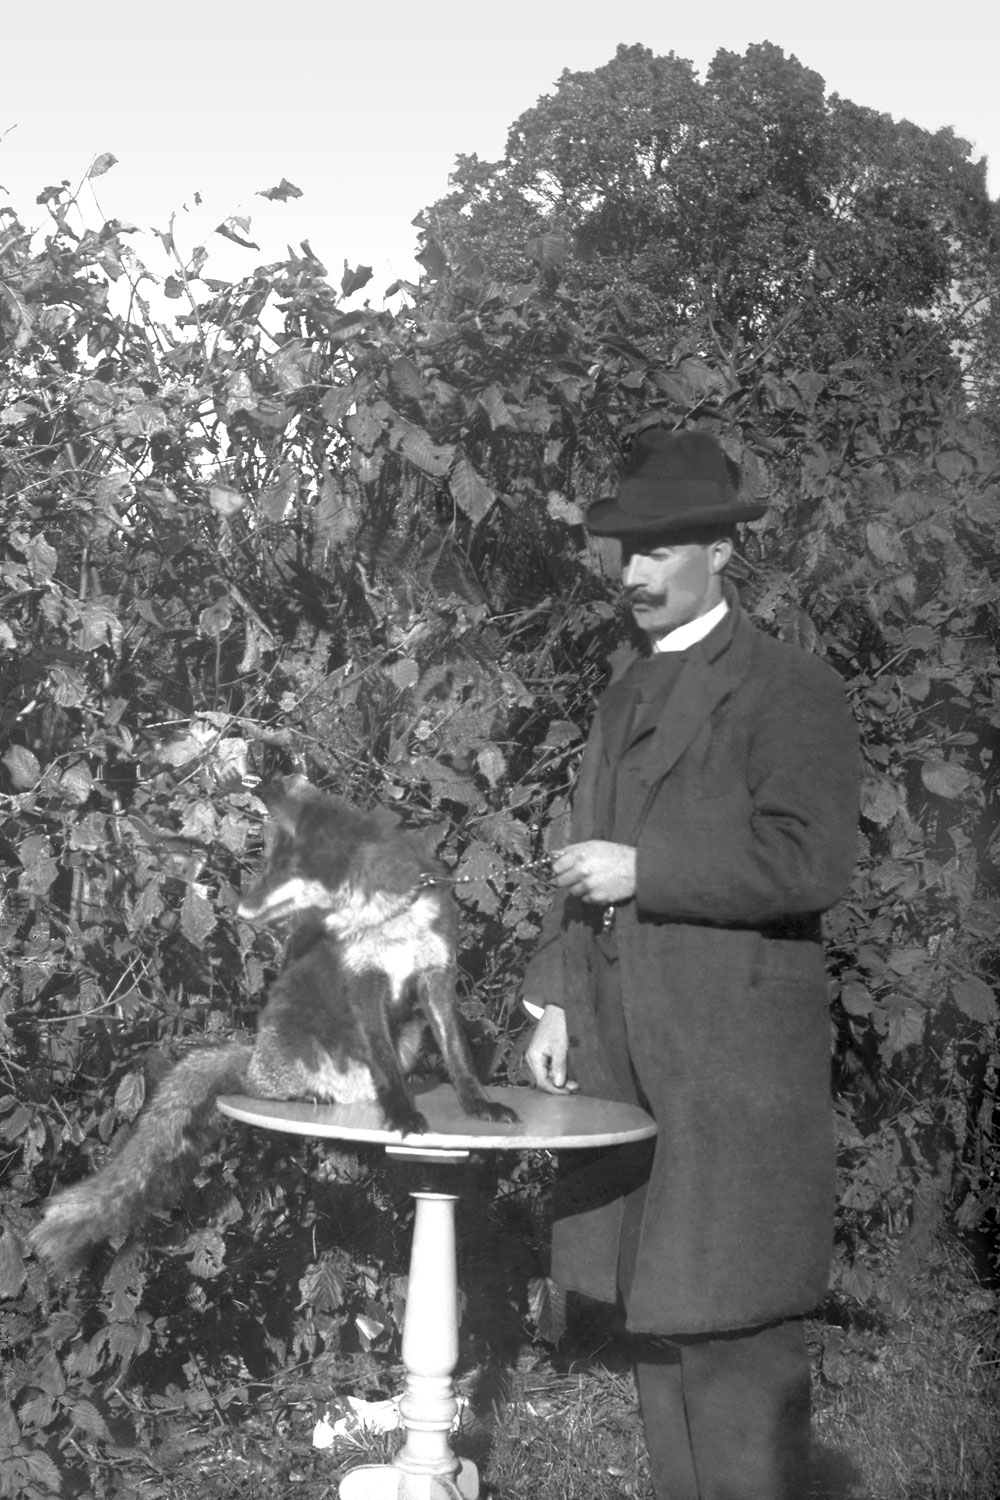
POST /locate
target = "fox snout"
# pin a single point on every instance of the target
(269, 902)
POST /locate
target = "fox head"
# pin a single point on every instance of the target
(326, 859)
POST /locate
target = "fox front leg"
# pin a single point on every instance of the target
(372, 1000)
(436, 997)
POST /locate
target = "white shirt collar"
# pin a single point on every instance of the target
(695, 630)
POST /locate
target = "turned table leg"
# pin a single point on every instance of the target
(426, 1466)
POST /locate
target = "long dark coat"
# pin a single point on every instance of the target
(739, 792)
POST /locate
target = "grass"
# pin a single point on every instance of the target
(920, 1414)
(906, 1408)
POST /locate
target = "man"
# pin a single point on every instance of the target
(714, 821)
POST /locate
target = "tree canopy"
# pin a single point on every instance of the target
(717, 208)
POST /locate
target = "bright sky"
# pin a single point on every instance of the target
(366, 107)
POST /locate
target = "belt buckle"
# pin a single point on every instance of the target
(607, 919)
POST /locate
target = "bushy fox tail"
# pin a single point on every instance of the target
(157, 1162)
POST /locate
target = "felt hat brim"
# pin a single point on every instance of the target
(673, 482)
(613, 517)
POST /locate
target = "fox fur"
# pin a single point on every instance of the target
(371, 962)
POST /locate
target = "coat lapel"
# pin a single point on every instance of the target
(631, 707)
(708, 676)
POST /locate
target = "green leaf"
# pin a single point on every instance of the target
(206, 1249)
(76, 785)
(216, 619)
(282, 192)
(406, 379)
(130, 1095)
(22, 768)
(906, 1029)
(197, 917)
(337, 402)
(42, 559)
(975, 999)
(15, 414)
(370, 1329)
(335, 517)
(493, 404)
(472, 494)
(240, 396)
(100, 625)
(365, 427)
(292, 365)
(12, 1272)
(951, 465)
(883, 544)
(672, 386)
(944, 778)
(278, 496)
(881, 799)
(353, 281)
(42, 1469)
(810, 386)
(322, 1287)
(492, 763)
(433, 459)
(403, 674)
(144, 419)
(69, 687)
(984, 508)
(39, 867)
(855, 998)
(102, 164)
(86, 1415)
(200, 821)
(273, 413)
(561, 509)
(549, 249)
(228, 232)
(10, 1432)
(700, 378)
(126, 1341)
(444, 783)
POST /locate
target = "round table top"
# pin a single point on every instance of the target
(551, 1122)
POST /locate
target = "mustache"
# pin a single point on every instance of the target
(639, 596)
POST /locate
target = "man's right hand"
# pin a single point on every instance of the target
(548, 1052)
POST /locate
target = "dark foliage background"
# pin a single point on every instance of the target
(275, 527)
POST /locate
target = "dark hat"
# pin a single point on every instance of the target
(673, 481)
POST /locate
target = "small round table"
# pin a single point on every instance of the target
(426, 1467)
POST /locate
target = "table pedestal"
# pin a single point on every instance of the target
(426, 1467)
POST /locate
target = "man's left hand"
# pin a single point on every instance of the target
(596, 871)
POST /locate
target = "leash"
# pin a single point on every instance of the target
(541, 866)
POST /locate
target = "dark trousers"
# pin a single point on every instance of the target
(727, 1415)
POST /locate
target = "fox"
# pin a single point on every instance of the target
(370, 963)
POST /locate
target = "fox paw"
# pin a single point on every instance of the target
(500, 1113)
(410, 1123)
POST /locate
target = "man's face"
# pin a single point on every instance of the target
(670, 583)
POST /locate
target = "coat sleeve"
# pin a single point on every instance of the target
(781, 843)
(544, 977)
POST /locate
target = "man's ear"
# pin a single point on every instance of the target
(720, 554)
